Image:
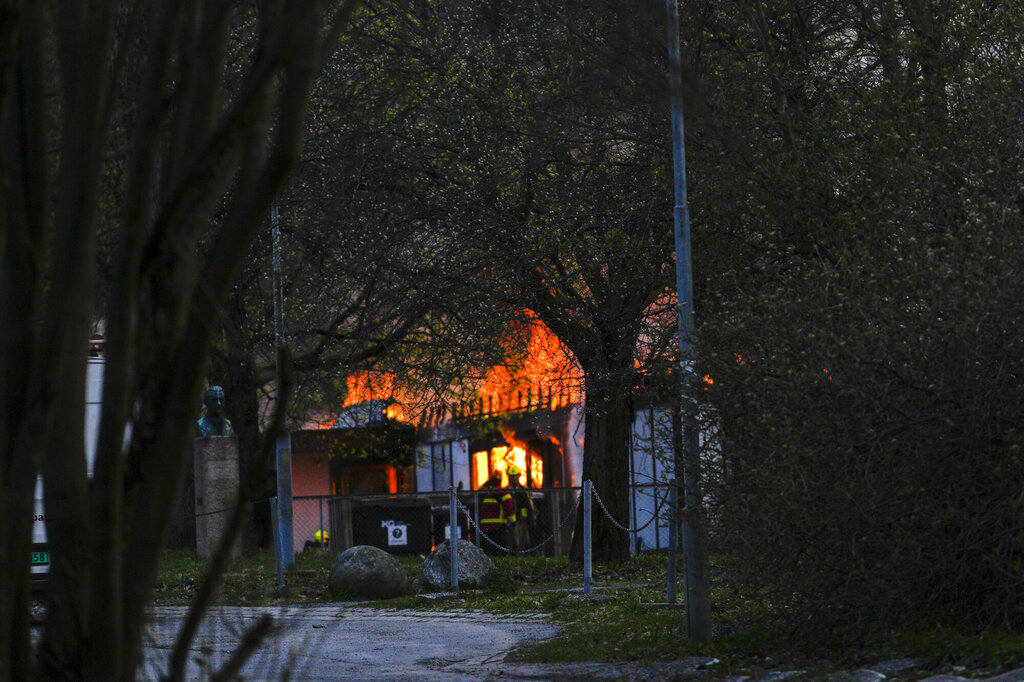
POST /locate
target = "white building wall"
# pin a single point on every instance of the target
(460, 464)
(441, 464)
(572, 448)
(424, 468)
(651, 467)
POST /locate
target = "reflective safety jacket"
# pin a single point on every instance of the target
(496, 506)
(522, 501)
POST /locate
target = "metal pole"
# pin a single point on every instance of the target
(451, 464)
(453, 515)
(698, 594)
(284, 440)
(277, 541)
(323, 540)
(670, 596)
(555, 514)
(633, 493)
(588, 563)
(476, 517)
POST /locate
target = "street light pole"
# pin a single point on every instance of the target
(697, 590)
(285, 542)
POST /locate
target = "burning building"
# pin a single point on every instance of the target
(540, 432)
(531, 416)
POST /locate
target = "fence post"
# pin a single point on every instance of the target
(633, 537)
(323, 540)
(476, 516)
(555, 514)
(347, 532)
(274, 521)
(588, 573)
(453, 515)
(673, 497)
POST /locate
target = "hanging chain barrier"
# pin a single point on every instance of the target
(670, 498)
(415, 523)
(654, 515)
(570, 516)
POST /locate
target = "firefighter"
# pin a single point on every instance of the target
(497, 512)
(526, 512)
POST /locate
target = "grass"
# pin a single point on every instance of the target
(626, 627)
(990, 650)
(250, 581)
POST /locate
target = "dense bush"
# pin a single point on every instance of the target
(863, 325)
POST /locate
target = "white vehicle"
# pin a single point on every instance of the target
(93, 404)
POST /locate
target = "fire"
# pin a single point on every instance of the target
(547, 375)
(481, 468)
(501, 459)
(367, 386)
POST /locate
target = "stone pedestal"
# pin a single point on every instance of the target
(216, 485)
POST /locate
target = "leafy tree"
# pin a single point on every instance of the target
(861, 197)
(370, 283)
(207, 142)
(544, 149)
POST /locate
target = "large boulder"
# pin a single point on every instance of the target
(370, 572)
(473, 568)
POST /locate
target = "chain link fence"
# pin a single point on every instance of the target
(415, 523)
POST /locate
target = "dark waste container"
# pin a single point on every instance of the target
(399, 525)
(442, 525)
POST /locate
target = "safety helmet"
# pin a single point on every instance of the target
(321, 536)
(514, 471)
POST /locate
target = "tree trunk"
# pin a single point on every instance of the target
(606, 465)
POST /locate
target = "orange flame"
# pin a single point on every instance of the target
(501, 459)
(548, 374)
(366, 386)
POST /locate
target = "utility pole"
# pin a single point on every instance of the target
(285, 543)
(697, 591)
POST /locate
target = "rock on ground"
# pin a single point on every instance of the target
(368, 572)
(473, 568)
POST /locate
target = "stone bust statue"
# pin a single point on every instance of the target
(214, 422)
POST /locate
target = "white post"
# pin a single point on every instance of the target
(588, 563)
(453, 515)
